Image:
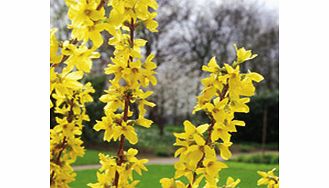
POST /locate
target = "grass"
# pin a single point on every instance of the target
(246, 172)
(90, 157)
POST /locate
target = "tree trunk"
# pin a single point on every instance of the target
(264, 131)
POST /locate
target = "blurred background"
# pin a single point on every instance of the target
(190, 33)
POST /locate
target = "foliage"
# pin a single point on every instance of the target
(257, 105)
(267, 158)
(151, 142)
(94, 110)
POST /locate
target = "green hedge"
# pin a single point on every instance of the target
(258, 158)
(95, 111)
(254, 119)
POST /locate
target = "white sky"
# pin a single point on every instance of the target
(272, 4)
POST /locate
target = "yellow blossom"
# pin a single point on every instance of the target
(225, 92)
(170, 183)
(243, 54)
(230, 183)
(126, 130)
(268, 178)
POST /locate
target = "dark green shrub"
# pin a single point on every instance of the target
(258, 158)
(94, 110)
(254, 120)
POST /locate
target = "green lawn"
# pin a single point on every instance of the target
(90, 157)
(245, 171)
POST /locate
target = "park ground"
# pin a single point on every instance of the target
(242, 166)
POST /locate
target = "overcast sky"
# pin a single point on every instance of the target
(272, 4)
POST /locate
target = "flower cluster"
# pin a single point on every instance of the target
(106, 174)
(225, 92)
(68, 98)
(131, 75)
(69, 61)
(269, 179)
(87, 20)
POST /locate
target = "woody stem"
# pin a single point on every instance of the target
(57, 160)
(120, 153)
(63, 145)
(210, 129)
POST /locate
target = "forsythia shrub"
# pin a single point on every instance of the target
(131, 75)
(69, 61)
(226, 91)
(69, 96)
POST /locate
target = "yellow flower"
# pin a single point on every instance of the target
(197, 152)
(106, 173)
(225, 153)
(171, 183)
(184, 169)
(55, 58)
(150, 23)
(239, 105)
(138, 165)
(183, 147)
(269, 179)
(192, 132)
(243, 54)
(234, 81)
(65, 83)
(212, 66)
(68, 129)
(142, 102)
(84, 13)
(106, 124)
(220, 131)
(116, 68)
(230, 183)
(91, 32)
(132, 74)
(113, 100)
(80, 57)
(231, 125)
(217, 109)
(126, 130)
(148, 72)
(212, 166)
(210, 171)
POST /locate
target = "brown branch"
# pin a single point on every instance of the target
(58, 158)
(120, 153)
(63, 145)
(210, 129)
(221, 97)
(65, 57)
(101, 4)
